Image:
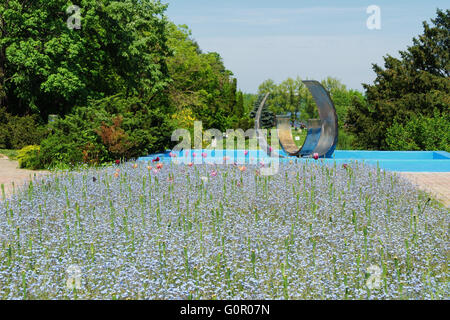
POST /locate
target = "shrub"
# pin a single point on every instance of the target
(29, 157)
(245, 123)
(421, 133)
(17, 132)
(106, 130)
(345, 140)
(115, 138)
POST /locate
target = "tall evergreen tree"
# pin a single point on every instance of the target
(239, 110)
(416, 84)
(268, 119)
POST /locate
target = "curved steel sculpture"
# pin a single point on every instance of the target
(322, 134)
(259, 133)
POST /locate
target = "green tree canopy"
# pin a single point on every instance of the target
(46, 67)
(200, 81)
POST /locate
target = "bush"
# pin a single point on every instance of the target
(421, 133)
(29, 157)
(106, 130)
(17, 132)
(345, 140)
(245, 123)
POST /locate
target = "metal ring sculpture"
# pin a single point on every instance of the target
(322, 134)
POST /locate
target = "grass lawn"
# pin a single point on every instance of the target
(301, 134)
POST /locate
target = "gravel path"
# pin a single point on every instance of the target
(10, 172)
(435, 183)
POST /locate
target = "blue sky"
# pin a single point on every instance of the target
(260, 39)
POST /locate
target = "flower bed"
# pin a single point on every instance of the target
(138, 231)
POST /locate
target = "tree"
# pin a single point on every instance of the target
(239, 110)
(416, 84)
(45, 67)
(249, 101)
(200, 82)
(268, 119)
(421, 133)
(290, 96)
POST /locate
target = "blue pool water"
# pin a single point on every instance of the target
(401, 161)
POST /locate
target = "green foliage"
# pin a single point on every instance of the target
(421, 133)
(29, 157)
(342, 98)
(115, 83)
(249, 102)
(244, 123)
(346, 140)
(239, 109)
(47, 68)
(241, 117)
(11, 154)
(417, 84)
(108, 129)
(17, 132)
(268, 119)
(302, 136)
(201, 82)
(290, 96)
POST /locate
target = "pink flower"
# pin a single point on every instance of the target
(316, 156)
(155, 171)
(204, 154)
(213, 173)
(345, 166)
(186, 154)
(270, 149)
(159, 166)
(194, 154)
(245, 152)
(190, 164)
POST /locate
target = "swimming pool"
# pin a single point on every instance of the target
(400, 161)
